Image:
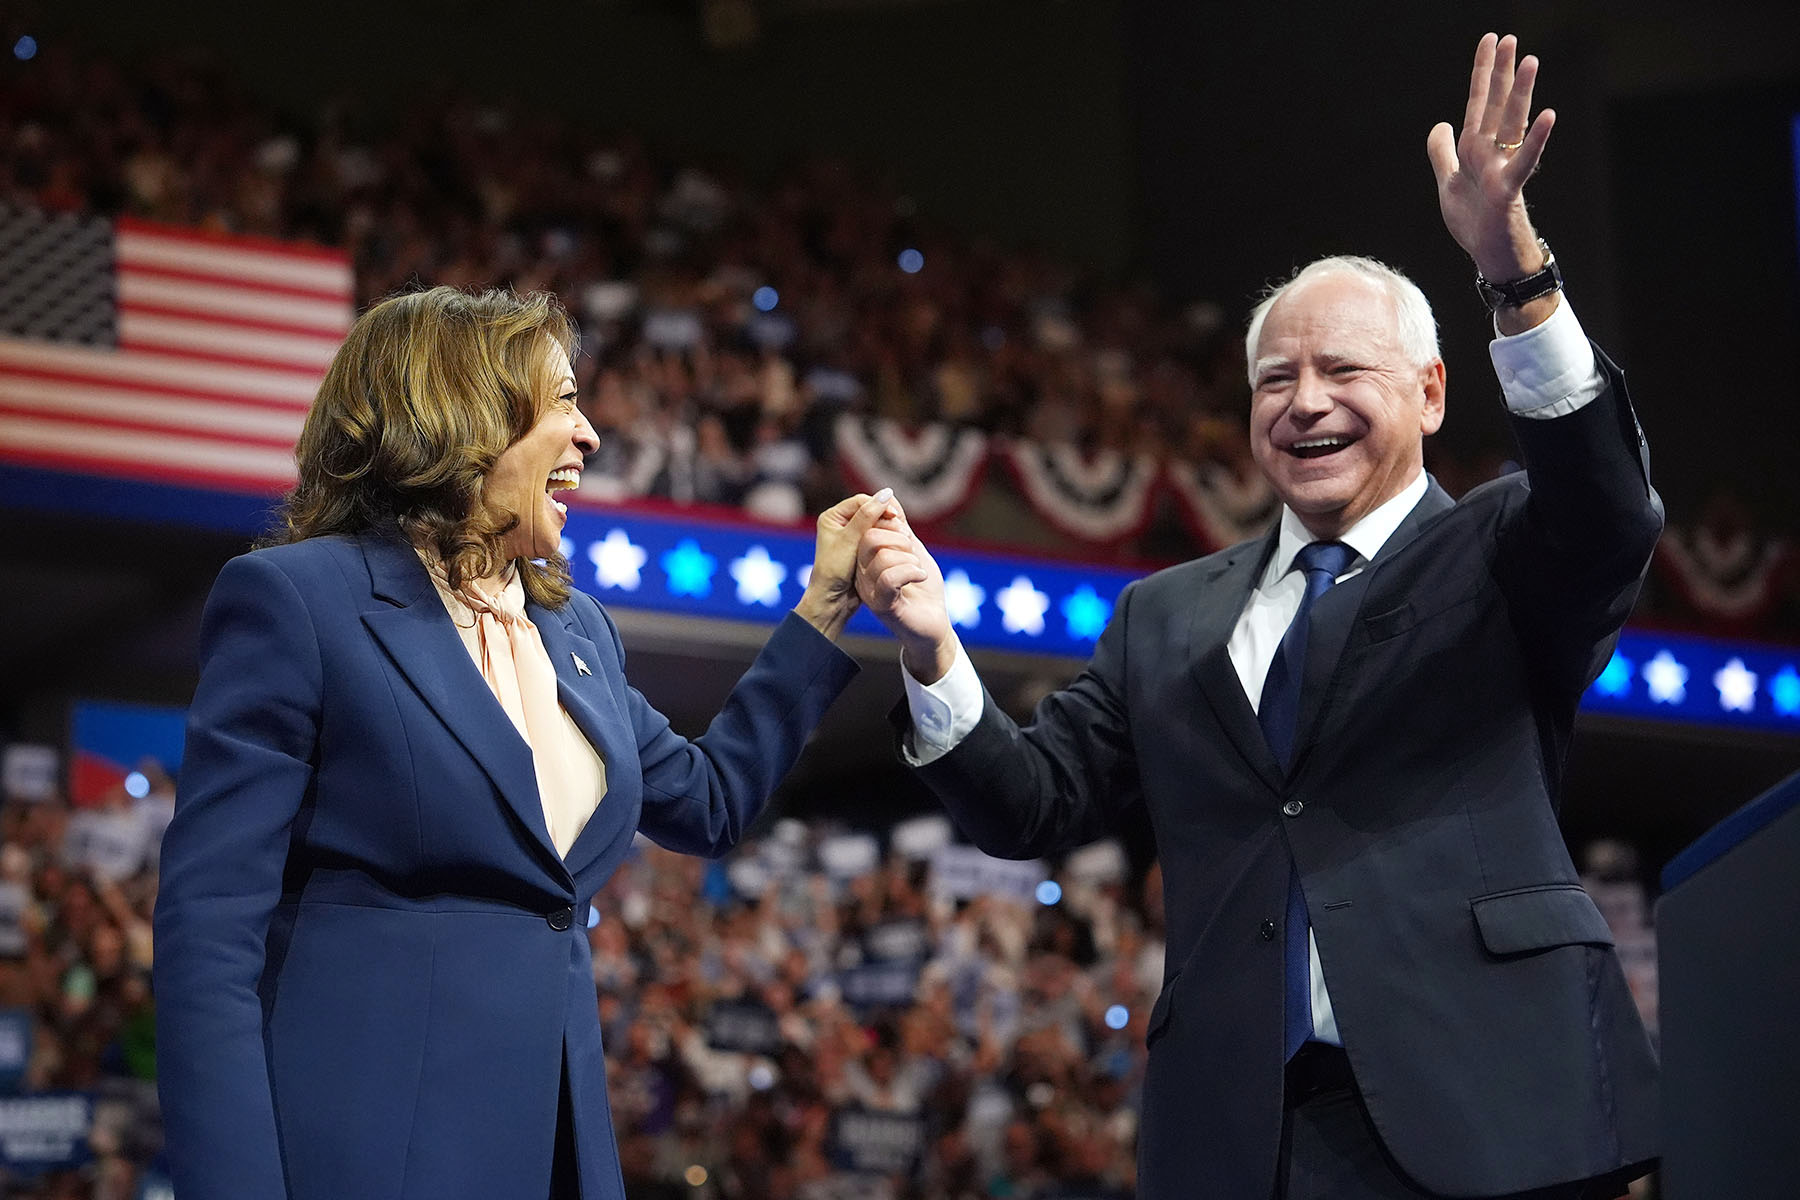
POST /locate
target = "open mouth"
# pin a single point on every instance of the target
(562, 479)
(1319, 447)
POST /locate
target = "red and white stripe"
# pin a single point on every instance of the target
(222, 343)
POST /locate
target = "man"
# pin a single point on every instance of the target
(1383, 976)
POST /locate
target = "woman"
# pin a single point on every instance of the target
(411, 760)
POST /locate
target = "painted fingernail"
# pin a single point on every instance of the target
(884, 495)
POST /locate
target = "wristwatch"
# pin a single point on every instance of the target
(1515, 293)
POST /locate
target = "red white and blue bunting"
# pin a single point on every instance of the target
(1219, 508)
(1734, 578)
(935, 469)
(1102, 498)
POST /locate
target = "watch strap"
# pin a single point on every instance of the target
(1516, 293)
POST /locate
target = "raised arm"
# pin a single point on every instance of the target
(1481, 173)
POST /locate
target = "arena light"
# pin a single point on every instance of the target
(25, 49)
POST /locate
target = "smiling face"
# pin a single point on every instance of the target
(1338, 413)
(547, 459)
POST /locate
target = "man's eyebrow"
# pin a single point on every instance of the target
(1270, 363)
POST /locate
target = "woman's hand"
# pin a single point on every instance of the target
(830, 598)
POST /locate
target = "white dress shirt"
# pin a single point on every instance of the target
(1547, 371)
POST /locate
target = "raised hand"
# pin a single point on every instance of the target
(831, 597)
(900, 582)
(1481, 172)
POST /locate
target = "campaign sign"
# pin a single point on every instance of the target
(28, 772)
(743, 1026)
(15, 1047)
(876, 1143)
(964, 872)
(111, 844)
(880, 985)
(892, 940)
(45, 1132)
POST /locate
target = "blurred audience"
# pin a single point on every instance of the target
(790, 1024)
(729, 323)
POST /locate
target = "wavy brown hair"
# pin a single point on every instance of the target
(421, 399)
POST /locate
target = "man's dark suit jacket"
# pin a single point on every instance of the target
(1474, 982)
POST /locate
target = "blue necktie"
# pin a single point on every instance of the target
(1278, 712)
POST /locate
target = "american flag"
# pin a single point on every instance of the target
(150, 352)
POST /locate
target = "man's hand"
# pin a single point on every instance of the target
(900, 582)
(1481, 173)
(830, 598)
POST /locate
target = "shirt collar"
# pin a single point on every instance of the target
(1366, 537)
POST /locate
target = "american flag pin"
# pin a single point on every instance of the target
(580, 667)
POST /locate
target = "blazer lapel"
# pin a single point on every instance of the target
(412, 625)
(1223, 595)
(1336, 611)
(590, 704)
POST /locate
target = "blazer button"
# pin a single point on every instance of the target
(1268, 931)
(1292, 808)
(561, 919)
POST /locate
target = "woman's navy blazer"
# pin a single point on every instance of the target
(372, 966)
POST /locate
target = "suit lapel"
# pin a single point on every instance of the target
(1223, 595)
(413, 627)
(1335, 613)
(590, 703)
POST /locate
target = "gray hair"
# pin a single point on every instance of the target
(1413, 322)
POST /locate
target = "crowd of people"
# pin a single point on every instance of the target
(727, 323)
(824, 1014)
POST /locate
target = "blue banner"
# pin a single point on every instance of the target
(45, 1132)
(1671, 677)
(708, 567)
(750, 573)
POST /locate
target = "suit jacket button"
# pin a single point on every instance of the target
(1292, 808)
(561, 919)
(1268, 931)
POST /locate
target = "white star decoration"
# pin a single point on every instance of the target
(758, 577)
(1737, 687)
(617, 561)
(1667, 679)
(963, 598)
(1022, 607)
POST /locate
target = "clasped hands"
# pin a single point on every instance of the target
(866, 553)
(900, 582)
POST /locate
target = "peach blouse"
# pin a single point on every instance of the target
(505, 645)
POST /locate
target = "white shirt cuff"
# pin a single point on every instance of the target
(1550, 369)
(943, 713)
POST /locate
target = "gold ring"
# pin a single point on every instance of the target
(1509, 145)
